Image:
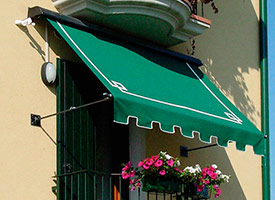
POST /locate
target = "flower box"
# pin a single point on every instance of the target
(160, 173)
(161, 185)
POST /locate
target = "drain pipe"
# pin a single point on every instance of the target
(47, 55)
(264, 99)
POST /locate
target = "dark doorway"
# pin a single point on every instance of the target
(91, 147)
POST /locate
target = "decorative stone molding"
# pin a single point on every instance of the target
(165, 22)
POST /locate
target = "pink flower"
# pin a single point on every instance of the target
(125, 168)
(149, 162)
(132, 173)
(158, 163)
(138, 184)
(205, 169)
(140, 163)
(162, 172)
(218, 191)
(210, 173)
(125, 175)
(132, 188)
(170, 163)
(156, 157)
(200, 188)
(214, 176)
(176, 169)
(145, 166)
(206, 181)
(211, 168)
(129, 164)
(204, 172)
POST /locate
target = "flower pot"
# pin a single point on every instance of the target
(190, 190)
(161, 185)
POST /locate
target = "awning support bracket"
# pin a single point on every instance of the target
(184, 150)
(36, 119)
(24, 22)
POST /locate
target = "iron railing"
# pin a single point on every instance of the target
(94, 185)
(90, 185)
(197, 7)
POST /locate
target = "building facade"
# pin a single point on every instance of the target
(33, 156)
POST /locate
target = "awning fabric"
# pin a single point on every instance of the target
(153, 87)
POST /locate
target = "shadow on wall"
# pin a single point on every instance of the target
(234, 53)
(33, 42)
(230, 53)
(37, 47)
(171, 143)
(56, 44)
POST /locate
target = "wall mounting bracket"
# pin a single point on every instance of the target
(35, 120)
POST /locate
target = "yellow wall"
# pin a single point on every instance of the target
(27, 156)
(230, 53)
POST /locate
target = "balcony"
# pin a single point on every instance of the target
(164, 22)
(93, 185)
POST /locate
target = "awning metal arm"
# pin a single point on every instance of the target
(184, 150)
(36, 119)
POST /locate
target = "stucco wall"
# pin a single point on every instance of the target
(230, 53)
(27, 156)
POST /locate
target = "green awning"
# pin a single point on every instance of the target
(154, 87)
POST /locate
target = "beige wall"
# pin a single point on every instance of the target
(230, 53)
(27, 156)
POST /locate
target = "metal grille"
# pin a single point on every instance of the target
(89, 185)
(92, 185)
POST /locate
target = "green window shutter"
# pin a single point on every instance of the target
(75, 136)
